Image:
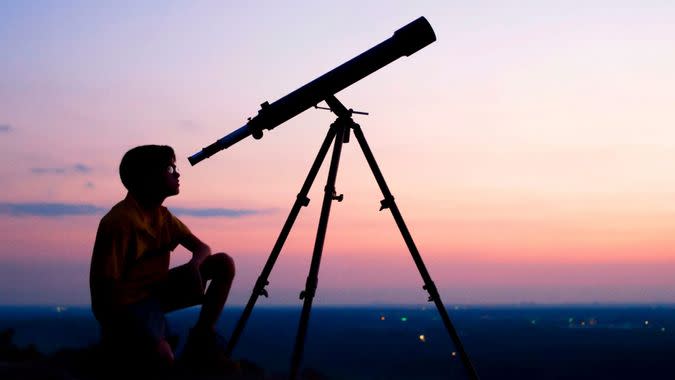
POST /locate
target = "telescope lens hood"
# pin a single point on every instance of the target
(414, 36)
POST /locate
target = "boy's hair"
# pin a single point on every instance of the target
(143, 163)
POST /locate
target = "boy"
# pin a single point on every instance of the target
(130, 281)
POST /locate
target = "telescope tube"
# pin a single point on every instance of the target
(405, 41)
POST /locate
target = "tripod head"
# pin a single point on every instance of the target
(405, 41)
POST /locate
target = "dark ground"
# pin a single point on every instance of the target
(566, 342)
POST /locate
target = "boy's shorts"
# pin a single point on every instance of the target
(144, 322)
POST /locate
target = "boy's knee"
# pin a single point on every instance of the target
(223, 264)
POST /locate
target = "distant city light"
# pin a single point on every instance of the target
(534, 321)
(453, 353)
(60, 309)
(404, 319)
(382, 318)
(646, 323)
(423, 338)
(663, 329)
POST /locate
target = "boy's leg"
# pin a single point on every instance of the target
(219, 268)
(204, 348)
(186, 288)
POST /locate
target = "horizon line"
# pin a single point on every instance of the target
(455, 306)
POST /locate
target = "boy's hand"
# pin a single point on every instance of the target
(195, 263)
(199, 250)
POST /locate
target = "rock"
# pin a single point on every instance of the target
(93, 363)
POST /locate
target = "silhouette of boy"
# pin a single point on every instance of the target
(131, 285)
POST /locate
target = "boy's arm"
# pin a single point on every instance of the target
(200, 251)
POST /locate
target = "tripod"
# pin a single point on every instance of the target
(339, 132)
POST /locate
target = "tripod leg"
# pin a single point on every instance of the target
(312, 278)
(301, 200)
(429, 285)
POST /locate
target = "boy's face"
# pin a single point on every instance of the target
(169, 183)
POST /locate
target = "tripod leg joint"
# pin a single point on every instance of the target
(304, 201)
(386, 203)
(310, 288)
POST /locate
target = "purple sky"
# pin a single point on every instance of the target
(530, 149)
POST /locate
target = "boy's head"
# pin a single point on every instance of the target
(150, 171)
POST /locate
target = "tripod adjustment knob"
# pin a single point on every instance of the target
(433, 292)
(260, 287)
(333, 194)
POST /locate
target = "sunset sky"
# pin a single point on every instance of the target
(531, 148)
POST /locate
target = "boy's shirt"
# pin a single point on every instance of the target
(131, 255)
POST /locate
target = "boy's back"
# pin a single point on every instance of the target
(133, 251)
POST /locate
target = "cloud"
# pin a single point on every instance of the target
(48, 170)
(217, 212)
(5, 128)
(77, 169)
(48, 209)
(82, 168)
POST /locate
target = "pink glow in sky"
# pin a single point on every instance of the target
(531, 148)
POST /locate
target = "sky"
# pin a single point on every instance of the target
(530, 149)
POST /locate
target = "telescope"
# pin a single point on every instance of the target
(405, 41)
